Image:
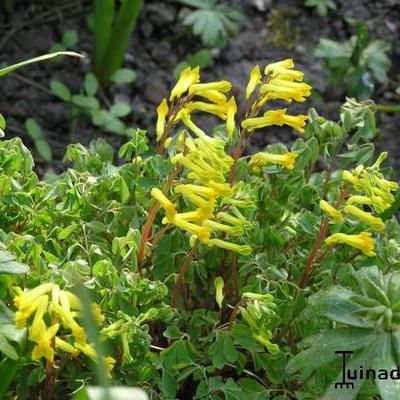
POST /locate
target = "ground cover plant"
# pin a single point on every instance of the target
(193, 270)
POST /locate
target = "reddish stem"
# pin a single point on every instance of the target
(310, 260)
(181, 276)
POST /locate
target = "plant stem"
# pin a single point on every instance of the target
(145, 234)
(389, 108)
(181, 276)
(149, 223)
(310, 260)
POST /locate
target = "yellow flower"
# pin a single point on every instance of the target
(187, 78)
(297, 122)
(332, 212)
(376, 223)
(201, 232)
(362, 241)
(349, 177)
(221, 86)
(219, 109)
(230, 116)
(244, 250)
(219, 290)
(359, 200)
(185, 118)
(90, 352)
(283, 70)
(254, 81)
(26, 298)
(213, 95)
(162, 112)
(287, 160)
(66, 347)
(44, 347)
(286, 90)
(275, 117)
(165, 203)
(272, 117)
(216, 226)
(196, 196)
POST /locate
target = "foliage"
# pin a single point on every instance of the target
(87, 103)
(207, 269)
(36, 134)
(69, 40)
(112, 31)
(211, 21)
(281, 32)
(321, 7)
(359, 63)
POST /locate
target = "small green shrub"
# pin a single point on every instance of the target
(191, 270)
(358, 64)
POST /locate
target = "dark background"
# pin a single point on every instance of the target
(159, 42)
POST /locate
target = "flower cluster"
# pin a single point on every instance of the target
(371, 193)
(207, 165)
(279, 82)
(259, 313)
(184, 100)
(62, 308)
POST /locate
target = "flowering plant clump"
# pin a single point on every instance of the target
(195, 270)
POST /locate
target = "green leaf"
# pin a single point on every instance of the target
(60, 90)
(10, 266)
(119, 110)
(3, 122)
(88, 102)
(322, 348)
(44, 149)
(45, 57)
(91, 84)
(70, 38)
(96, 226)
(33, 128)
(112, 393)
(124, 75)
(64, 233)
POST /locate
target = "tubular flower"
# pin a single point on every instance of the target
(284, 70)
(331, 211)
(359, 200)
(230, 116)
(275, 117)
(287, 160)
(244, 250)
(219, 109)
(221, 86)
(219, 290)
(165, 203)
(363, 241)
(371, 183)
(213, 95)
(286, 90)
(207, 164)
(162, 112)
(187, 78)
(90, 352)
(254, 81)
(49, 302)
(376, 223)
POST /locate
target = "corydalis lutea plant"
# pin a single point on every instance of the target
(218, 201)
(149, 236)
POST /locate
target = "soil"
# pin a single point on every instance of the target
(29, 28)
